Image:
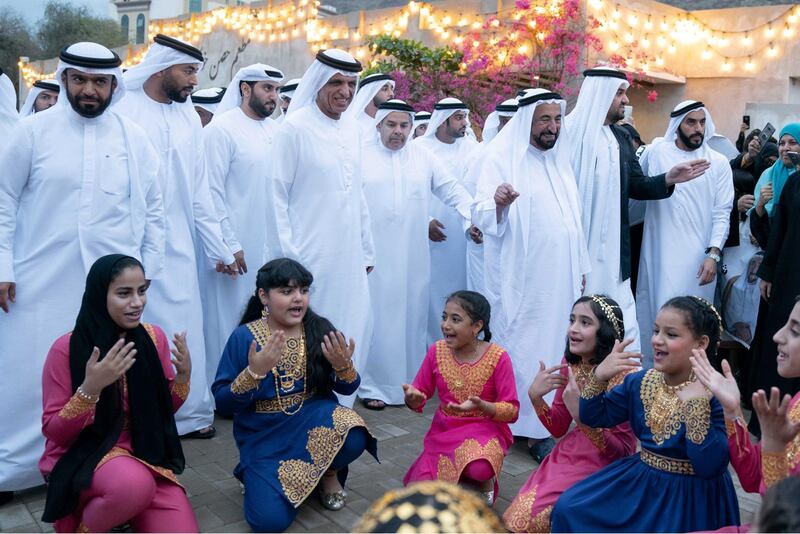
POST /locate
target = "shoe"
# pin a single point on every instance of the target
(333, 501)
(541, 449)
(488, 496)
(204, 433)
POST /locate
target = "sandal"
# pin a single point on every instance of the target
(204, 433)
(373, 404)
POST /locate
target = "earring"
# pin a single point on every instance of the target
(265, 312)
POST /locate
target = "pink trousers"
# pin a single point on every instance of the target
(478, 470)
(123, 490)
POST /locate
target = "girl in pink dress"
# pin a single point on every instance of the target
(469, 435)
(596, 329)
(777, 456)
(109, 391)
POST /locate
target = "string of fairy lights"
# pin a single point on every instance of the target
(658, 36)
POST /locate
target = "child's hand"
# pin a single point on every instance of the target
(472, 404)
(413, 397)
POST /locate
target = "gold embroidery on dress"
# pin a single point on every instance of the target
(793, 448)
(244, 383)
(347, 375)
(543, 411)
(469, 451)
(619, 378)
(76, 406)
(151, 331)
(541, 522)
(595, 435)
(730, 427)
(664, 463)
(466, 379)
(180, 390)
(664, 412)
(292, 365)
(298, 478)
(774, 467)
(518, 516)
(285, 402)
(119, 451)
(593, 387)
(504, 412)
(582, 373)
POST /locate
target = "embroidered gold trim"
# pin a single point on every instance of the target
(466, 379)
(793, 448)
(543, 411)
(75, 407)
(664, 412)
(541, 522)
(697, 418)
(288, 401)
(116, 452)
(151, 331)
(292, 365)
(730, 427)
(595, 435)
(582, 373)
(619, 378)
(244, 383)
(347, 375)
(298, 478)
(469, 451)
(774, 467)
(518, 515)
(593, 387)
(663, 463)
(180, 390)
(504, 412)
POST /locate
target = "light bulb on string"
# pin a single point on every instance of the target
(769, 32)
(706, 54)
(648, 24)
(749, 65)
(772, 51)
(747, 40)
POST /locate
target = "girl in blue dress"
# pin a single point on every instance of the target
(679, 482)
(277, 377)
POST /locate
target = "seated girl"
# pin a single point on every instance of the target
(777, 456)
(469, 435)
(109, 393)
(679, 482)
(595, 326)
(277, 377)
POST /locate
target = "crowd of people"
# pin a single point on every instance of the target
(160, 252)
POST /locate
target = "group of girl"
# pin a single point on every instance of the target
(113, 453)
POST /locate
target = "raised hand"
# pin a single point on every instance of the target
(181, 358)
(545, 381)
(722, 386)
(618, 361)
(435, 233)
(572, 397)
(505, 195)
(473, 403)
(100, 374)
(777, 430)
(262, 361)
(689, 170)
(336, 350)
(413, 397)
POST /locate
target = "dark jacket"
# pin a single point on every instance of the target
(633, 184)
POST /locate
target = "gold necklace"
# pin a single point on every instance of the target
(662, 411)
(292, 362)
(582, 372)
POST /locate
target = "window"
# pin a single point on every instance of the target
(124, 25)
(195, 6)
(140, 29)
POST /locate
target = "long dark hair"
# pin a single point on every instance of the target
(285, 272)
(477, 307)
(702, 318)
(607, 334)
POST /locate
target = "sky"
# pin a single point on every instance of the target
(32, 10)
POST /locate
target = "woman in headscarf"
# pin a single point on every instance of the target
(775, 222)
(109, 394)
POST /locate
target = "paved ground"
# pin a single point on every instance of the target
(217, 500)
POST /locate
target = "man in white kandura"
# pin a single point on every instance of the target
(421, 120)
(8, 106)
(399, 178)
(535, 253)
(206, 102)
(446, 139)
(286, 93)
(608, 173)
(498, 118)
(158, 100)
(79, 182)
(683, 234)
(373, 90)
(317, 189)
(43, 95)
(238, 156)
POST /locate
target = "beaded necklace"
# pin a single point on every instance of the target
(293, 362)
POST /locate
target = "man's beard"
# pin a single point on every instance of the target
(691, 145)
(83, 111)
(378, 99)
(546, 144)
(174, 92)
(616, 114)
(262, 109)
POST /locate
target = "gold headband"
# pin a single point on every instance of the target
(713, 308)
(608, 311)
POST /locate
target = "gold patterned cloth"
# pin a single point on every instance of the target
(664, 412)
(429, 507)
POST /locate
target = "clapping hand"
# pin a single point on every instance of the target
(618, 361)
(545, 381)
(181, 359)
(473, 403)
(572, 397)
(413, 397)
(722, 386)
(100, 374)
(262, 361)
(777, 430)
(336, 350)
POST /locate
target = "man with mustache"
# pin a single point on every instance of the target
(158, 100)
(318, 199)
(238, 147)
(446, 139)
(399, 177)
(694, 220)
(373, 90)
(78, 182)
(608, 174)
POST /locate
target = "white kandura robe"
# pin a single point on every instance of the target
(678, 230)
(475, 262)
(448, 257)
(602, 236)
(534, 259)
(398, 185)
(174, 301)
(72, 190)
(238, 158)
(322, 217)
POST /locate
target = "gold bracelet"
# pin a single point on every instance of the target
(92, 399)
(254, 374)
(346, 366)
